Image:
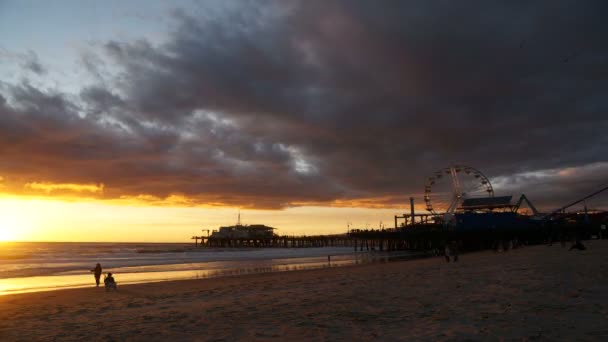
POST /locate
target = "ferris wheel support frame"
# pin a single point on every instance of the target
(458, 195)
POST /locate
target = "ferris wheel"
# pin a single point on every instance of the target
(445, 191)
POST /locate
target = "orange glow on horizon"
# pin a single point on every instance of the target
(44, 219)
(47, 211)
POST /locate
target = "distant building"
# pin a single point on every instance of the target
(252, 231)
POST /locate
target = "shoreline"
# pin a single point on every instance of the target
(535, 292)
(205, 270)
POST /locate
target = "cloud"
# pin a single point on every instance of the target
(53, 187)
(32, 63)
(28, 61)
(559, 187)
(273, 104)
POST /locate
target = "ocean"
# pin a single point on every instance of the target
(44, 266)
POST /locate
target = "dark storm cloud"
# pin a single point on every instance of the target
(272, 103)
(564, 185)
(100, 100)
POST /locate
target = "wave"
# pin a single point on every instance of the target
(14, 256)
(42, 259)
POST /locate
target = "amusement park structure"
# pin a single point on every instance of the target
(462, 197)
(461, 206)
(448, 189)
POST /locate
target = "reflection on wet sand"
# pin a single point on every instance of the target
(131, 275)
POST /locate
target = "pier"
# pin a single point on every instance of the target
(476, 233)
(433, 237)
(283, 241)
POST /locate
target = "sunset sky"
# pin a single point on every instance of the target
(150, 120)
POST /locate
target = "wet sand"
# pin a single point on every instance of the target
(531, 293)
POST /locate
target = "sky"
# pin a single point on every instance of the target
(151, 120)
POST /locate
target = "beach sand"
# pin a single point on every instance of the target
(531, 293)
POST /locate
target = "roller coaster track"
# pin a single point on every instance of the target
(556, 211)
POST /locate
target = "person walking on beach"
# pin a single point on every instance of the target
(451, 249)
(455, 250)
(97, 273)
(446, 252)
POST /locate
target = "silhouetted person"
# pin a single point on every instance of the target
(109, 282)
(446, 252)
(455, 251)
(451, 248)
(578, 245)
(97, 273)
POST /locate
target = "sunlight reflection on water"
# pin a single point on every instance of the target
(147, 274)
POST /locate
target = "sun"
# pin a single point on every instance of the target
(9, 229)
(15, 219)
(6, 235)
